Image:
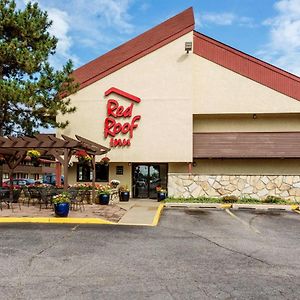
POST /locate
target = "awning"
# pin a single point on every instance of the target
(246, 145)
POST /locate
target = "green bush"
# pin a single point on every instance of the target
(273, 199)
(229, 199)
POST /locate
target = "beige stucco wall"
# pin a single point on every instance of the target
(162, 79)
(247, 166)
(246, 123)
(240, 167)
(218, 90)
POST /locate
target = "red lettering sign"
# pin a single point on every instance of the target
(114, 124)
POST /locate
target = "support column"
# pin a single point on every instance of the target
(94, 179)
(190, 167)
(66, 162)
(58, 174)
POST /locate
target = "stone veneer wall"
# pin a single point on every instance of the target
(195, 185)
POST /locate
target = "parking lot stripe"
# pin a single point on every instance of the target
(242, 221)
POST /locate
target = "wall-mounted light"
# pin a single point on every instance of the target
(254, 116)
(188, 46)
(129, 164)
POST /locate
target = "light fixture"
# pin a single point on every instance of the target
(254, 116)
(188, 46)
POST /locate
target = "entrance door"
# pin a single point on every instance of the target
(146, 177)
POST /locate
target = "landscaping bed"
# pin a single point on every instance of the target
(231, 199)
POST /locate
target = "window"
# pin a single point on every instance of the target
(85, 173)
(119, 170)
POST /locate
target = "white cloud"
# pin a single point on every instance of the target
(219, 19)
(93, 24)
(283, 48)
(61, 30)
(223, 19)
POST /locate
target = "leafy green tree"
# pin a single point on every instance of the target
(32, 93)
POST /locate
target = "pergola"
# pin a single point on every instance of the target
(14, 150)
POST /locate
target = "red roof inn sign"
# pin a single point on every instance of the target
(120, 133)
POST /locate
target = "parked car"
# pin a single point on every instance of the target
(51, 179)
(19, 182)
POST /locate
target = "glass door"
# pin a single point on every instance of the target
(146, 177)
(140, 181)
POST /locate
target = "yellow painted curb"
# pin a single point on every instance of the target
(55, 220)
(157, 215)
(226, 206)
(295, 207)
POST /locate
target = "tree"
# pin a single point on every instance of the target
(32, 93)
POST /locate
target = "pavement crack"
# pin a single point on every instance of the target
(231, 250)
(227, 248)
(33, 257)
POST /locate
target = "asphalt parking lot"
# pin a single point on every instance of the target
(191, 254)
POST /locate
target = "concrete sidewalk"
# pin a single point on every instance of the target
(142, 212)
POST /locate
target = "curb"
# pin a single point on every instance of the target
(51, 220)
(158, 214)
(273, 207)
(55, 220)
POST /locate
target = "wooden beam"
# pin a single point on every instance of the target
(65, 164)
(98, 146)
(94, 179)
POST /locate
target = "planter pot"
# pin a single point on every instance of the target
(161, 196)
(62, 209)
(124, 196)
(103, 199)
(35, 162)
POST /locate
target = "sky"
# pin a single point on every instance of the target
(86, 29)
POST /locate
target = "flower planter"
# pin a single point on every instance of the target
(61, 209)
(35, 162)
(124, 196)
(103, 199)
(161, 196)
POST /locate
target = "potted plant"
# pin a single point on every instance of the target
(61, 204)
(83, 157)
(114, 183)
(105, 161)
(104, 194)
(34, 156)
(161, 193)
(124, 193)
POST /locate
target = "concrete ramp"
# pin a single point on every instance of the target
(141, 212)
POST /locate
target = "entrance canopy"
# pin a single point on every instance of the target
(14, 149)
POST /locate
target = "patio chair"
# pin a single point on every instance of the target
(114, 196)
(5, 197)
(75, 203)
(81, 197)
(34, 195)
(26, 196)
(46, 197)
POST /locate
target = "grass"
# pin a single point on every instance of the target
(241, 200)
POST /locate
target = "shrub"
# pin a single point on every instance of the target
(273, 199)
(229, 199)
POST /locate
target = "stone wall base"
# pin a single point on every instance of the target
(182, 185)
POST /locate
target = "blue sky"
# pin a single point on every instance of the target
(267, 29)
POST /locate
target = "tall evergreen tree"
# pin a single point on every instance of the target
(32, 92)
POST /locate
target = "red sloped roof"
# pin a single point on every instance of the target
(246, 65)
(136, 48)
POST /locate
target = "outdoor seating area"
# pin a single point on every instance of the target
(38, 202)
